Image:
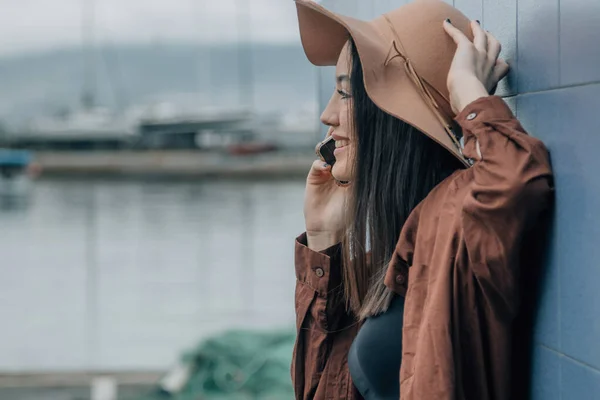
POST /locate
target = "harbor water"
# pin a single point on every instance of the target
(125, 274)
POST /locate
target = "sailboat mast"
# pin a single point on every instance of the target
(245, 56)
(87, 26)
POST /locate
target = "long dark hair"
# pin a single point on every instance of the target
(395, 167)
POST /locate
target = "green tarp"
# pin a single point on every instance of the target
(236, 365)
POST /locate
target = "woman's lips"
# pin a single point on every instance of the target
(340, 144)
(339, 149)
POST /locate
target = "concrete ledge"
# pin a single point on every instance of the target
(182, 163)
(76, 379)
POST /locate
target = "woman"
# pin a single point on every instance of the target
(407, 275)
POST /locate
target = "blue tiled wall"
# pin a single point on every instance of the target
(554, 87)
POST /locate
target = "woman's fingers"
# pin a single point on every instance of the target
(319, 172)
(493, 47)
(455, 33)
(500, 70)
(480, 40)
(499, 67)
(319, 167)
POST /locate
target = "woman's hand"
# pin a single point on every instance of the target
(324, 205)
(476, 68)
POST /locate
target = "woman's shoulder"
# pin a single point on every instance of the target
(448, 191)
(427, 214)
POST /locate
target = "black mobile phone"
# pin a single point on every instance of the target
(325, 150)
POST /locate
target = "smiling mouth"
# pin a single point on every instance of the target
(339, 148)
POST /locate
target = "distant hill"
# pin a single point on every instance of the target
(127, 75)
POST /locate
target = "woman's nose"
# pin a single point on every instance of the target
(330, 116)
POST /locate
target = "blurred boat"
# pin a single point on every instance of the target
(98, 129)
(186, 126)
(243, 149)
(13, 162)
(16, 169)
(92, 128)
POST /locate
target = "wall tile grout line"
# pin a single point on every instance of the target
(568, 357)
(482, 13)
(558, 283)
(517, 44)
(574, 85)
(559, 40)
(550, 348)
(557, 276)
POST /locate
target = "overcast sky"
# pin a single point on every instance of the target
(29, 25)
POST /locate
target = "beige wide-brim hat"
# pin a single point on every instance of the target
(405, 54)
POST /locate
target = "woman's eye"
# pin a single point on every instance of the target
(343, 94)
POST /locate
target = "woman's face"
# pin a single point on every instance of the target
(337, 116)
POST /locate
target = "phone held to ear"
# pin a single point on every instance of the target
(325, 150)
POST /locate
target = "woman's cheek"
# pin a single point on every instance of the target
(345, 117)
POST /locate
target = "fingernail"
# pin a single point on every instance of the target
(448, 20)
(478, 21)
(326, 165)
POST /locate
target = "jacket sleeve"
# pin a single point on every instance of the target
(509, 186)
(320, 309)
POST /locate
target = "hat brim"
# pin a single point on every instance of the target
(324, 33)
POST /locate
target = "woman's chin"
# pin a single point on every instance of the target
(339, 172)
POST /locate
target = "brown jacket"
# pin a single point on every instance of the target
(457, 262)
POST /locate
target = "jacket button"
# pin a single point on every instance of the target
(400, 279)
(319, 272)
(471, 116)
